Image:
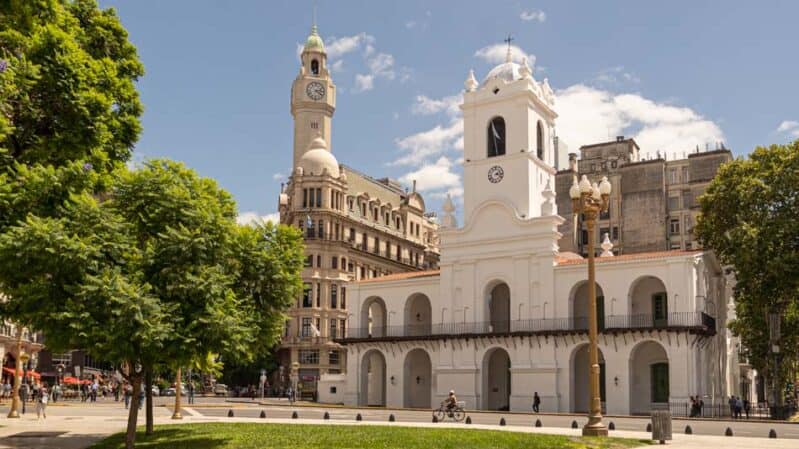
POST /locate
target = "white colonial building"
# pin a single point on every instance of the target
(506, 314)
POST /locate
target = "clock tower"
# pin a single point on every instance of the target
(313, 96)
(510, 150)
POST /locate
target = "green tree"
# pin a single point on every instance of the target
(68, 85)
(77, 278)
(750, 218)
(160, 237)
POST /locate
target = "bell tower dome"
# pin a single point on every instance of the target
(313, 96)
(509, 145)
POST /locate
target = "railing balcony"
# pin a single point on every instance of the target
(693, 321)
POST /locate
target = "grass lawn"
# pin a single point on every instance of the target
(306, 436)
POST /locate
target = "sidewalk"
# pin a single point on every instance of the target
(78, 432)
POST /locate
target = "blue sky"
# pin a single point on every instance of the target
(672, 74)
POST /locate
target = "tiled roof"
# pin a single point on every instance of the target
(401, 276)
(563, 261)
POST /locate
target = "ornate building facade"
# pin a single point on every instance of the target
(356, 227)
(506, 315)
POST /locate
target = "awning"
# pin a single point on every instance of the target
(30, 373)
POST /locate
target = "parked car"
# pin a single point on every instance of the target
(171, 391)
(156, 390)
(220, 390)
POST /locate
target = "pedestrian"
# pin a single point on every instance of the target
(116, 392)
(127, 394)
(141, 398)
(693, 404)
(731, 403)
(747, 407)
(23, 395)
(41, 402)
(7, 389)
(191, 392)
(739, 405)
(536, 402)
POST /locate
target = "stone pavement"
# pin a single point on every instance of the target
(63, 429)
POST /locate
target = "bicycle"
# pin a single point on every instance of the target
(457, 413)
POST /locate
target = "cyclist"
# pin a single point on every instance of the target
(451, 402)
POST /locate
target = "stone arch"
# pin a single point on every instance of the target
(314, 67)
(373, 379)
(418, 315)
(417, 379)
(648, 303)
(578, 305)
(374, 317)
(649, 377)
(579, 390)
(497, 306)
(496, 379)
(496, 137)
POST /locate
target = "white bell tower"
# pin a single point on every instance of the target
(509, 151)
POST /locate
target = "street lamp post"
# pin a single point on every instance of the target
(590, 200)
(22, 359)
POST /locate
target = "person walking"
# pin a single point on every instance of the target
(127, 393)
(747, 407)
(23, 395)
(739, 406)
(536, 402)
(191, 392)
(41, 402)
(731, 403)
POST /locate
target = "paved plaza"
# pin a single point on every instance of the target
(77, 425)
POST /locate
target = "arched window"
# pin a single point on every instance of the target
(540, 141)
(314, 67)
(496, 137)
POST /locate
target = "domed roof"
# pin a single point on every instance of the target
(314, 42)
(507, 71)
(317, 159)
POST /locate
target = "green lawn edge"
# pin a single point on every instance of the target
(307, 436)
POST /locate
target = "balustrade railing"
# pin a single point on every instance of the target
(611, 323)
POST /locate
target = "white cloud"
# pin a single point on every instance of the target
(251, 217)
(420, 146)
(410, 24)
(589, 115)
(382, 65)
(338, 47)
(364, 82)
(789, 126)
(435, 176)
(536, 15)
(426, 106)
(496, 54)
(278, 176)
(337, 66)
(612, 76)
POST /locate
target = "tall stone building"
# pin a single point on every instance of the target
(654, 204)
(356, 227)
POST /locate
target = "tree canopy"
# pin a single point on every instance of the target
(750, 218)
(153, 272)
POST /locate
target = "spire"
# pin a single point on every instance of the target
(449, 220)
(524, 70)
(471, 82)
(314, 41)
(508, 56)
(607, 246)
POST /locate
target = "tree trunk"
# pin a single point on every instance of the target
(133, 412)
(148, 383)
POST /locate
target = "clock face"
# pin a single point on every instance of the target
(315, 90)
(495, 174)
